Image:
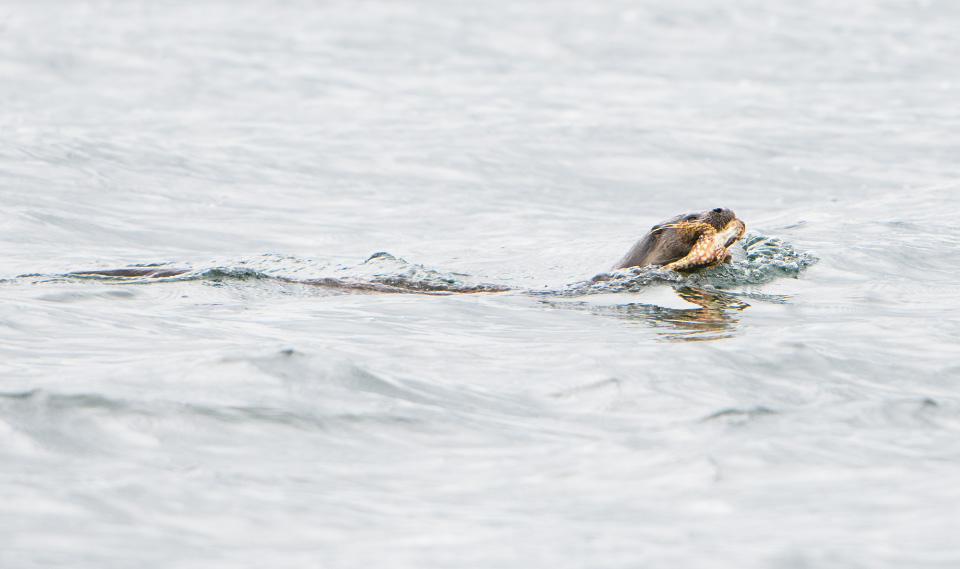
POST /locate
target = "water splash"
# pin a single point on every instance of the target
(758, 259)
(389, 271)
(765, 259)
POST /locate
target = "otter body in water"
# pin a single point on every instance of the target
(136, 272)
(683, 243)
(687, 242)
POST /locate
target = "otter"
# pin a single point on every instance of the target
(687, 242)
(139, 272)
(683, 243)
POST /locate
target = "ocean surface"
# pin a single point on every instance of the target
(798, 408)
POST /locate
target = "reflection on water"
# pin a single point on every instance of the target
(714, 320)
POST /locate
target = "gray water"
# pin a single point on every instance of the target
(797, 409)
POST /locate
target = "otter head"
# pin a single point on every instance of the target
(687, 242)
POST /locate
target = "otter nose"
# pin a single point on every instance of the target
(717, 210)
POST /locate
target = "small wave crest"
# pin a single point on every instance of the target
(387, 270)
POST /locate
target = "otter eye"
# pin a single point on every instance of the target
(718, 210)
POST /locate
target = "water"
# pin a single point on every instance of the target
(773, 413)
